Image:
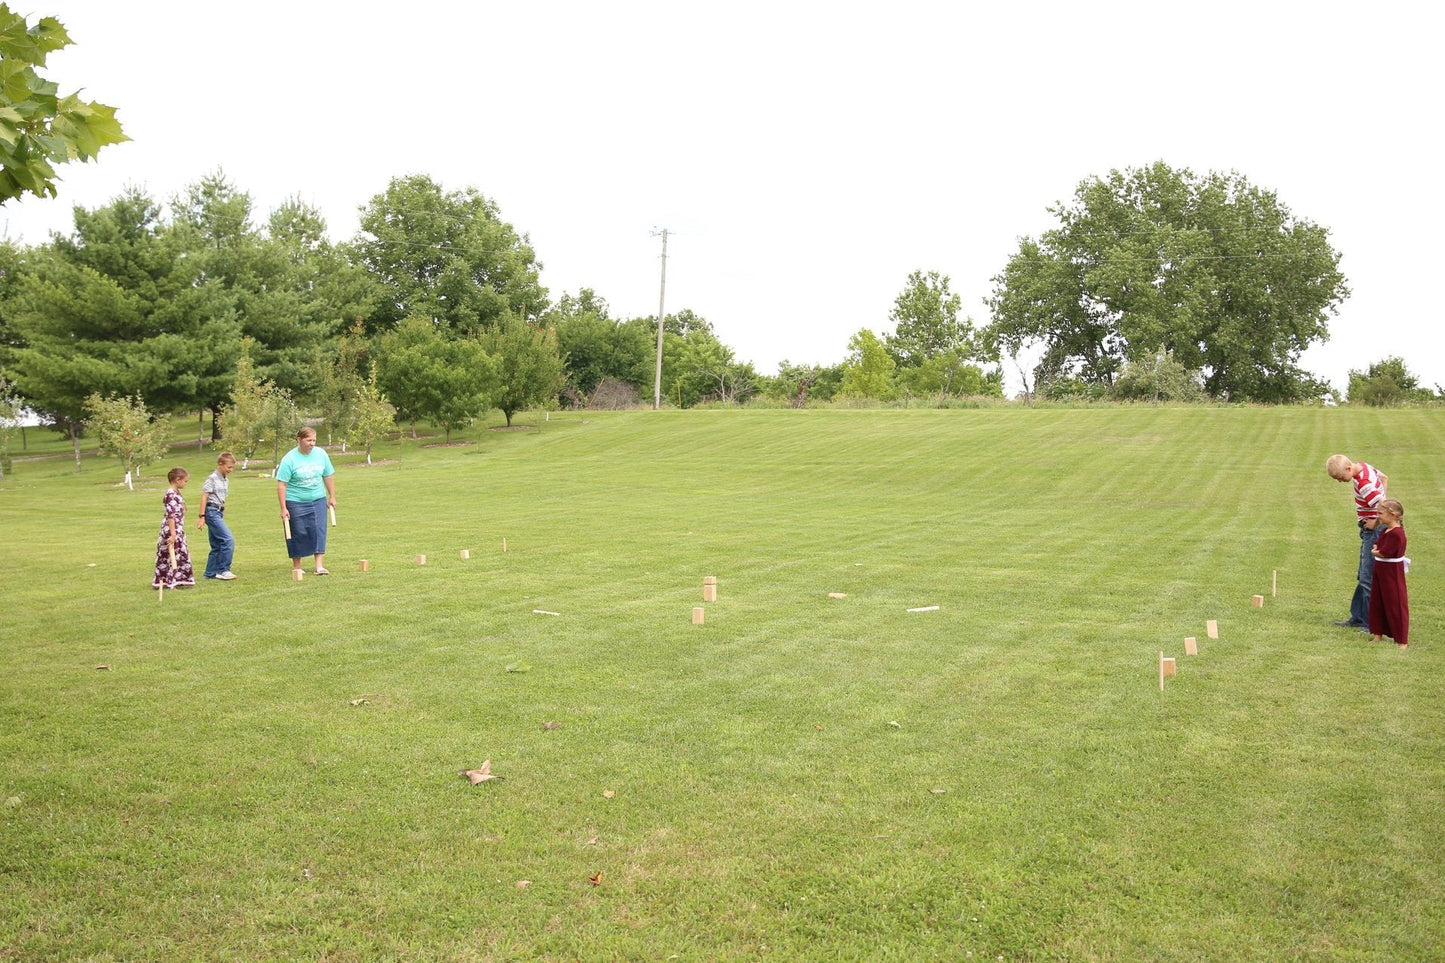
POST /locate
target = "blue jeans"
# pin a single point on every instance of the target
(1360, 603)
(223, 543)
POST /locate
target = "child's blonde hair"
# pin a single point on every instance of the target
(226, 458)
(176, 474)
(1339, 466)
(1392, 506)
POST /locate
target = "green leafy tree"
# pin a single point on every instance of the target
(706, 370)
(39, 128)
(10, 411)
(1385, 384)
(949, 374)
(293, 292)
(1211, 269)
(124, 428)
(117, 308)
(528, 366)
(374, 415)
(243, 422)
(1158, 378)
(428, 375)
(340, 382)
(868, 369)
(280, 420)
(925, 321)
(596, 347)
(447, 256)
(798, 384)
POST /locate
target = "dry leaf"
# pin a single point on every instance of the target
(523, 883)
(592, 840)
(361, 702)
(819, 728)
(549, 726)
(608, 794)
(308, 874)
(481, 774)
(938, 792)
(895, 725)
(595, 878)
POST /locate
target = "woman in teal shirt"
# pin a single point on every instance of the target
(305, 488)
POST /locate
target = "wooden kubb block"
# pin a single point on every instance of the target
(466, 553)
(421, 559)
(364, 565)
(1257, 601)
(296, 575)
(697, 615)
(1191, 647)
(709, 589)
(1211, 629)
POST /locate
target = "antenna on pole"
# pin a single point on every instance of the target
(661, 298)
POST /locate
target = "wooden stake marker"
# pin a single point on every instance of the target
(1161, 670)
(364, 565)
(1211, 629)
(421, 559)
(1274, 583)
(697, 615)
(709, 589)
(160, 594)
(1257, 601)
(1191, 647)
(466, 553)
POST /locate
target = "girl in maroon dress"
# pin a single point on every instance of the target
(173, 557)
(1389, 602)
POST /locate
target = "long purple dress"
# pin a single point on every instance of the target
(181, 573)
(1389, 602)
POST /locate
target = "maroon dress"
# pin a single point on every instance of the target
(1389, 602)
(181, 573)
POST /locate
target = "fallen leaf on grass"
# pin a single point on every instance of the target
(549, 726)
(592, 840)
(895, 725)
(519, 667)
(360, 702)
(308, 874)
(938, 792)
(819, 728)
(595, 878)
(608, 794)
(523, 883)
(481, 773)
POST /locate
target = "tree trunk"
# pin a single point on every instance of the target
(75, 445)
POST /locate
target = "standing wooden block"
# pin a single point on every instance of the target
(1169, 667)
(1161, 671)
(296, 575)
(421, 559)
(466, 553)
(697, 615)
(709, 589)
(1257, 601)
(504, 546)
(1191, 647)
(1274, 583)
(160, 594)
(1211, 629)
(364, 565)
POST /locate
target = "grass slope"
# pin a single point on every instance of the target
(270, 769)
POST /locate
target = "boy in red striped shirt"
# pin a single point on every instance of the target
(1369, 490)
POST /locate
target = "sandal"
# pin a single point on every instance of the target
(321, 571)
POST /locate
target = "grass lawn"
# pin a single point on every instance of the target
(270, 770)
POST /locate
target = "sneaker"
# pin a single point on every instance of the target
(1347, 624)
(226, 576)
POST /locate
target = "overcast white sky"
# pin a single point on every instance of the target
(805, 157)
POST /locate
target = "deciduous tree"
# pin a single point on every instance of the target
(39, 127)
(1212, 269)
(124, 428)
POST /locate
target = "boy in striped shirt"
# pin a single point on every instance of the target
(1369, 490)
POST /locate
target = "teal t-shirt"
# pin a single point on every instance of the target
(303, 473)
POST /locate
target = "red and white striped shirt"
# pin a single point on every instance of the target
(1369, 491)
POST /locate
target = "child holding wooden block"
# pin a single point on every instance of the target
(1389, 601)
(173, 557)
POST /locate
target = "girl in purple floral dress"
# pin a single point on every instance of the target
(173, 557)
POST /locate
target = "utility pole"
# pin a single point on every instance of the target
(661, 297)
